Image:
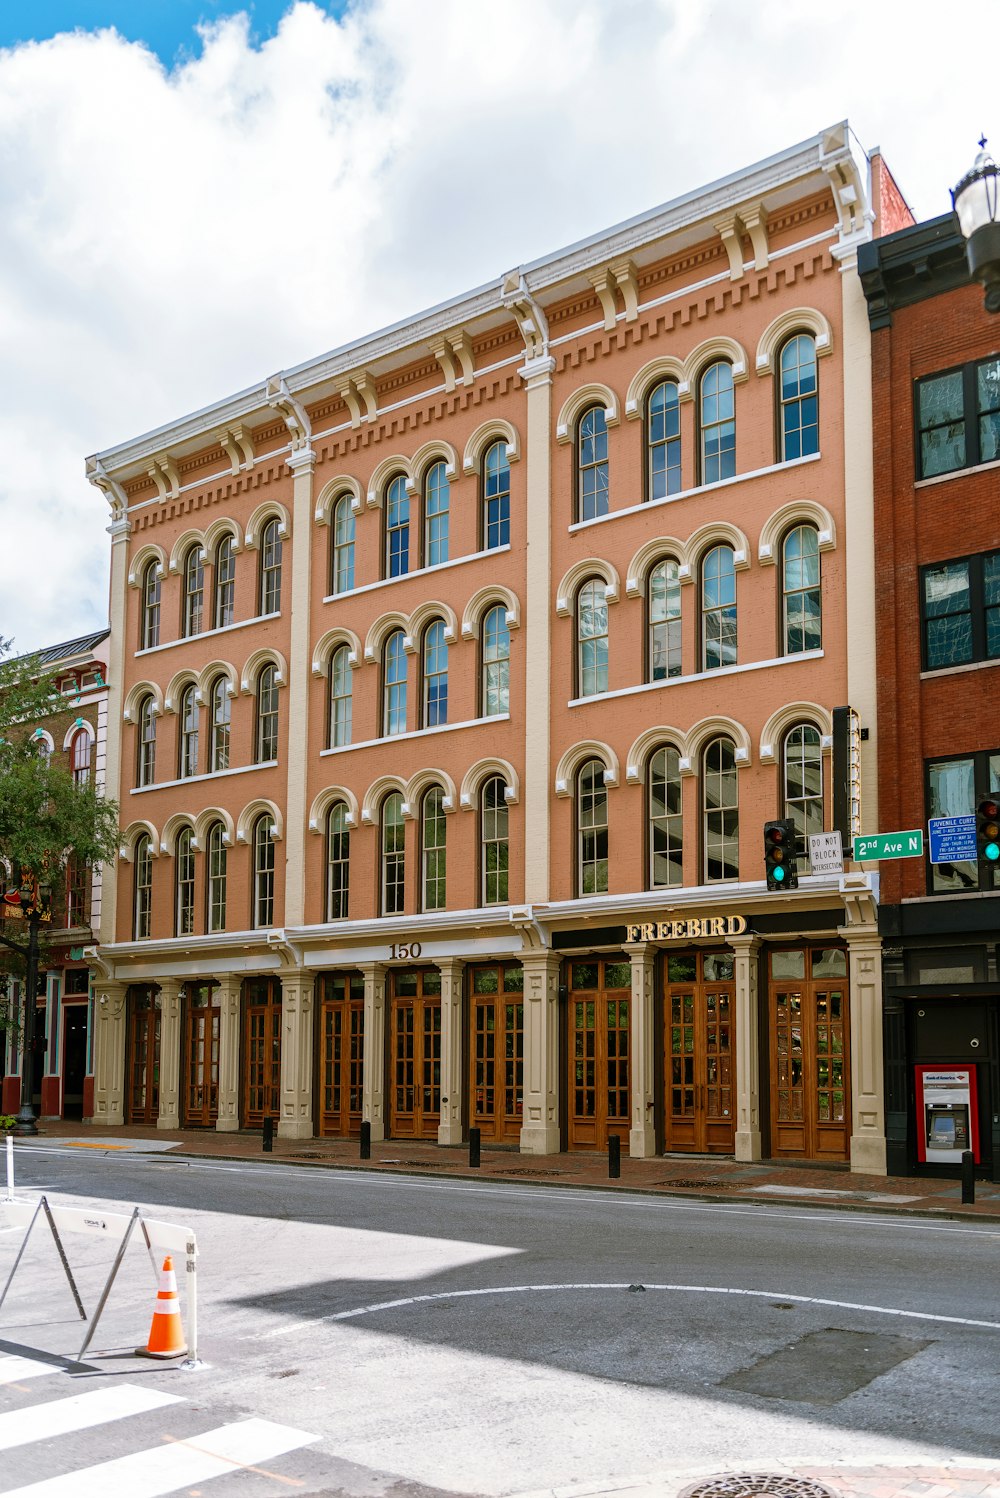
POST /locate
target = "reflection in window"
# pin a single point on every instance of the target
(81, 757)
(961, 611)
(225, 584)
(721, 811)
(393, 855)
(394, 685)
(437, 492)
(433, 850)
(435, 661)
(800, 590)
(220, 711)
(338, 862)
(184, 868)
(592, 829)
(143, 888)
(664, 605)
(717, 420)
(217, 855)
(804, 785)
(799, 402)
(342, 546)
(592, 638)
(194, 592)
(270, 568)
(664, 440)
(189, 714)
(718, 609)
(267, 716)
(592, 465)
(496, 663)
(954, 786)
(665, 823)
(496, 497)
(494, 833)
(341, 689)
(149, 624)
(146, 759)
(263, 873)
(397, 528)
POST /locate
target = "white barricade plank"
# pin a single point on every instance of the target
(81, 1411)
(14, 1370)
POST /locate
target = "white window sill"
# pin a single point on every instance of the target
(958, 670)
(418, 733)
(207, 634)
(672, 499)
(389, 582)
(162, 785)
(678, 681)
(955, 473)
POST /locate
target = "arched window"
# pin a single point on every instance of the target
(143, 887)
(266, 738)
(193, 600)
(187, 757)
(592, 829)
(437, 497)
(434, 706)
(433, 846)
(149, 604)
(495, 689)
(663, 441)
(802, 619)
(717, 423)
(803, 782)
(263, 873)
(393, 856)
(799, 420)
(81, 757)
(184, 875)
(591, 638)
(216, 884)
(592, 491)
(338, 862)
(341, 688)
(496, 497)
(718, 609)
(663, 604)
(77, 891)
(666, 843)
(394, 685)
(270, 568)
(397, 528)
(220, 713)
(494, 844)
(721, 811)
(223, 612)
(145, 769)
(342, 546)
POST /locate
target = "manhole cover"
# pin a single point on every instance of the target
(758, 1485)
(700, 1185)
(508, 1170)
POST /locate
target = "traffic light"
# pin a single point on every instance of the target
(988, 827)
(780, 868)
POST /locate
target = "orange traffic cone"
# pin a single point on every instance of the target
(166, 1335)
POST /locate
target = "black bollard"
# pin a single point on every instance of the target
(267, 1135)
(366, 1140)
(968, 1176)
(614, 1157)
(474, 1138)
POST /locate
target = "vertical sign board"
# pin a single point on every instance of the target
(826, 853)
(947, 1114)
(953, 839)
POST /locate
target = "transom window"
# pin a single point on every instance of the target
(495, 663)
(434, 850)
(800, 590)
(225, 584)
(342, 546)
(721, 811)
(592, 829)
(149, 624)
(799, 398)
(496, 497)
(437, 499)
(718, 609)
(663, 445)
(338, 862)
(393, 855)
(341, 690)
(267, 715)
(592, 465)
(717, 421)
(188, 715)
(958, 418)
(961, 611)
(270, 568)
(394, 685)
(494, 834)
(666, 844)
(803, 777)
(592, 638)
(397, 528)
(663, 594)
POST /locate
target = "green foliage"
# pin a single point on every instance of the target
(7, 1122)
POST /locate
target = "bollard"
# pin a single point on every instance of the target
(474, 1140)
(614, 1157)
(968, 1176)
(267, 1135)
(366, 1140)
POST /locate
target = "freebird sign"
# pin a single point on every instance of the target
(706, 925)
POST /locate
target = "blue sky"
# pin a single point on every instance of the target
(166, 26)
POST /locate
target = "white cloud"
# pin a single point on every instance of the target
(167, 238)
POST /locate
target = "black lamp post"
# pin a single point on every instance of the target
(976, 201)
(34, 900)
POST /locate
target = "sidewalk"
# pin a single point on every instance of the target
(703, 1177)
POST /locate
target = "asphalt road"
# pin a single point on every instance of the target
(492, 1338)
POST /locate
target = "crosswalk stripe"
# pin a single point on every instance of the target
(14, 1370)
(79, 1412)
(176, 1464)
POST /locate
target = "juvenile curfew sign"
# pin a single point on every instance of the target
(889, 845)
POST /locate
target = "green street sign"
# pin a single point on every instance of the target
(889, 845)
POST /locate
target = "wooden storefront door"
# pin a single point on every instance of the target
(340, 1054)
(201, 1019)
(699, 1033)
(497, 1051)
(599, 1007)
(142, 1099)
(809, 1053)
(415, 1042)
(260, 1082)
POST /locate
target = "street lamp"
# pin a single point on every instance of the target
(34, 900)
(976, 201)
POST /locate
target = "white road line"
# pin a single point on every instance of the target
(14, 1370)
(175, 1464)
(61, 1416)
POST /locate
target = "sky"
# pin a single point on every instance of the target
(195, 194)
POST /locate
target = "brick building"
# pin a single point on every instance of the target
(76, 731)
(936, 378)
(454, 675)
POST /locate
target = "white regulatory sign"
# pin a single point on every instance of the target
(826, 853)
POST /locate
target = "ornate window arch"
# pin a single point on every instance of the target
(385, 625)
(780, 722)
(130, 837)
(718, 726)
(376, 793)
(186, 542)
(437, 450)
(576, 404)
(476, 774)
(265, 655)
(271, 509)
(321, 805)
(710, 351)
(575, 575)
(332, 492)
(259, 807)
(796, 512)
(177, 686)
(784, 326)
(135, 696)
(389, 468)
(206, 819)
(141, 559)
(493, 430)
(81, 750)
(484, 599)
(575, 755)
(331, 641)
(650, 375)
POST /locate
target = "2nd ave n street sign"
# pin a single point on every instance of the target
(889, 845)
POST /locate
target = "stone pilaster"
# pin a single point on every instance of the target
(452, 1081)
(864, 967)
(373, 1064)
(296, 1106)
(540, 1126)
(747, 965)
(302, 464)
(537, 375)
(170, 1054)
(228, 998)
(109, 1054)
(642, 1134)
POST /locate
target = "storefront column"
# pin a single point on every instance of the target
(109, 1054)
(747, 1142)
(228, 986)
(452, 1090)
(864, 968)
(373, 1064)
(296, 1104)
(170, 1054)
(642, 1134)
(540, 1126)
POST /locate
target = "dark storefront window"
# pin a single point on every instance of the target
(952, 788)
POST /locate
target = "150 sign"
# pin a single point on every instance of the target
(405, 951)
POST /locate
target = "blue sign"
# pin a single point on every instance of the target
(953, 839)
